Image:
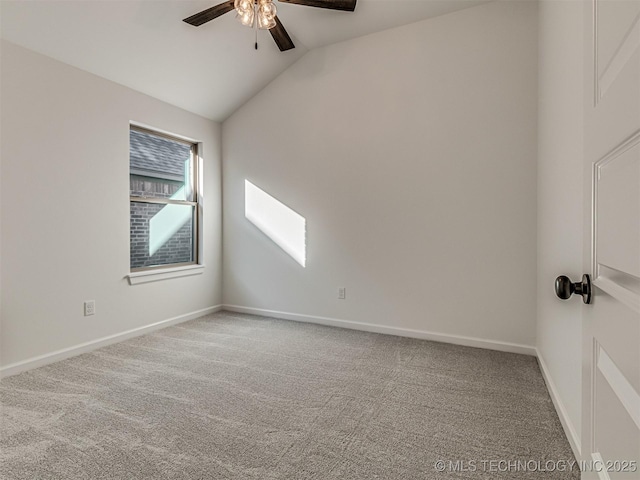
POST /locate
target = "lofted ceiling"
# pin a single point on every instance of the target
(210, 70)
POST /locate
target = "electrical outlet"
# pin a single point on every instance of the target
(342, 293)
(89, 308)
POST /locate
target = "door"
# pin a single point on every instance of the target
(611, 331)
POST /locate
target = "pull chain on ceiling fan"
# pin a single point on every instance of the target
(262, 15)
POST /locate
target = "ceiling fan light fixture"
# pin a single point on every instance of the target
(243, 6)
(266, 15)
(266, 23)
(246, 18)
(250, 12)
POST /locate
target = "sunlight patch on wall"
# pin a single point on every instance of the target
(277, 221)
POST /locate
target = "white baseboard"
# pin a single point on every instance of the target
(40, 361)
(401, 332)
(567, 425)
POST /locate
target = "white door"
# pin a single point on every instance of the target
(611, 332)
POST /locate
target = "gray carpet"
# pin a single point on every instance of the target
(232, 396)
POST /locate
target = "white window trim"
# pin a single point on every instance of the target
(157, 274)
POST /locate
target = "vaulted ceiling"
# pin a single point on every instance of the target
(210, 70)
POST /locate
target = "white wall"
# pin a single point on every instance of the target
(560, 244)
(65, 208)
(412, 155)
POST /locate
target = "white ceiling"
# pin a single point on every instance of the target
(209, 70)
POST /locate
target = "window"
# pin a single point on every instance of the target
(163, 179)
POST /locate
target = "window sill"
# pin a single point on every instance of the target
(136, 278)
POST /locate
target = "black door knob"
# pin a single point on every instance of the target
(565, 288)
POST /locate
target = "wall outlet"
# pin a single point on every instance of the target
(89, 308)
(342, 293)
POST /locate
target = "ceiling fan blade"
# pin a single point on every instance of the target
(209, 14)
(346, 5)
(281, 37)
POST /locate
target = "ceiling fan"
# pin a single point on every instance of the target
(262, 14)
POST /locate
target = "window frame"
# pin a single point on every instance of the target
(195, 176)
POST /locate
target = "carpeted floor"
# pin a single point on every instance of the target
(232, 396)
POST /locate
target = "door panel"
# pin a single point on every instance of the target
(616, 222)
(618, 38)
(614, 428)
(621, 349)
(611, 334)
